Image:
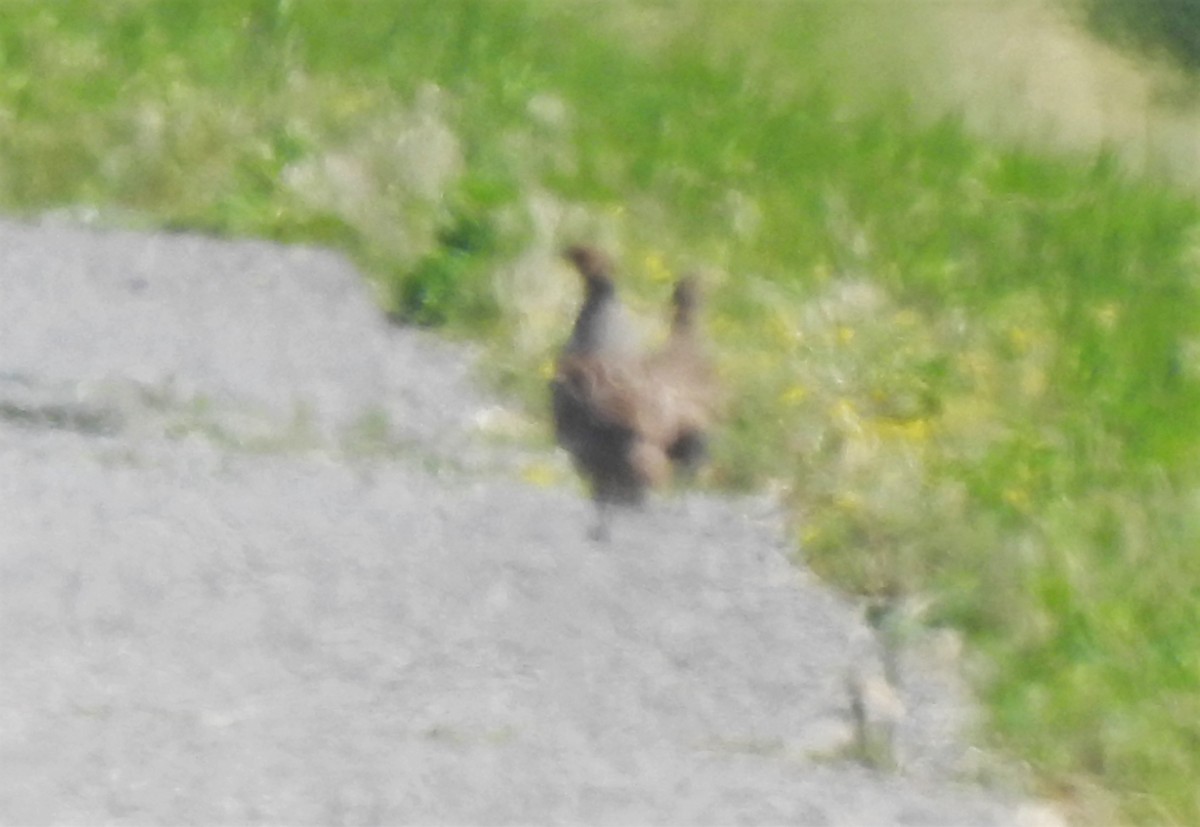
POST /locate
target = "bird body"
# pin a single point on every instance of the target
(625, 416)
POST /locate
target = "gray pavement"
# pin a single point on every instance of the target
(259, 563)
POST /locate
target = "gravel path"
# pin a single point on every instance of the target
(259, 563)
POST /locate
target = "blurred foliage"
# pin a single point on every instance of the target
(1166, 27)
(450, 282)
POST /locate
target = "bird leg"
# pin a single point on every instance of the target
(599, 532)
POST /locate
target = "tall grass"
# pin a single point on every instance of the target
(972, 372)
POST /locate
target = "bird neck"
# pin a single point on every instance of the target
(589, 332)
(601, 327)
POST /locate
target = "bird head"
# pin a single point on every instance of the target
(593, 265)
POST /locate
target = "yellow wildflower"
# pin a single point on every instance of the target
(912, 430)
(844, 409)
(656, 267)
(794, 395)
(1020, 339)
(1016, 497)
(541, 474)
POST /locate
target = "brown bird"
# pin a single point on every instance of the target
(624, 417)
(685, 379)
(596, 394)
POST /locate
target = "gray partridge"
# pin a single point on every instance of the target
(685, 381)
(623, 416)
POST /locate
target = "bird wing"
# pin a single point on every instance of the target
(605, 389)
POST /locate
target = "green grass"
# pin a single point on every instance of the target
(972, 371)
